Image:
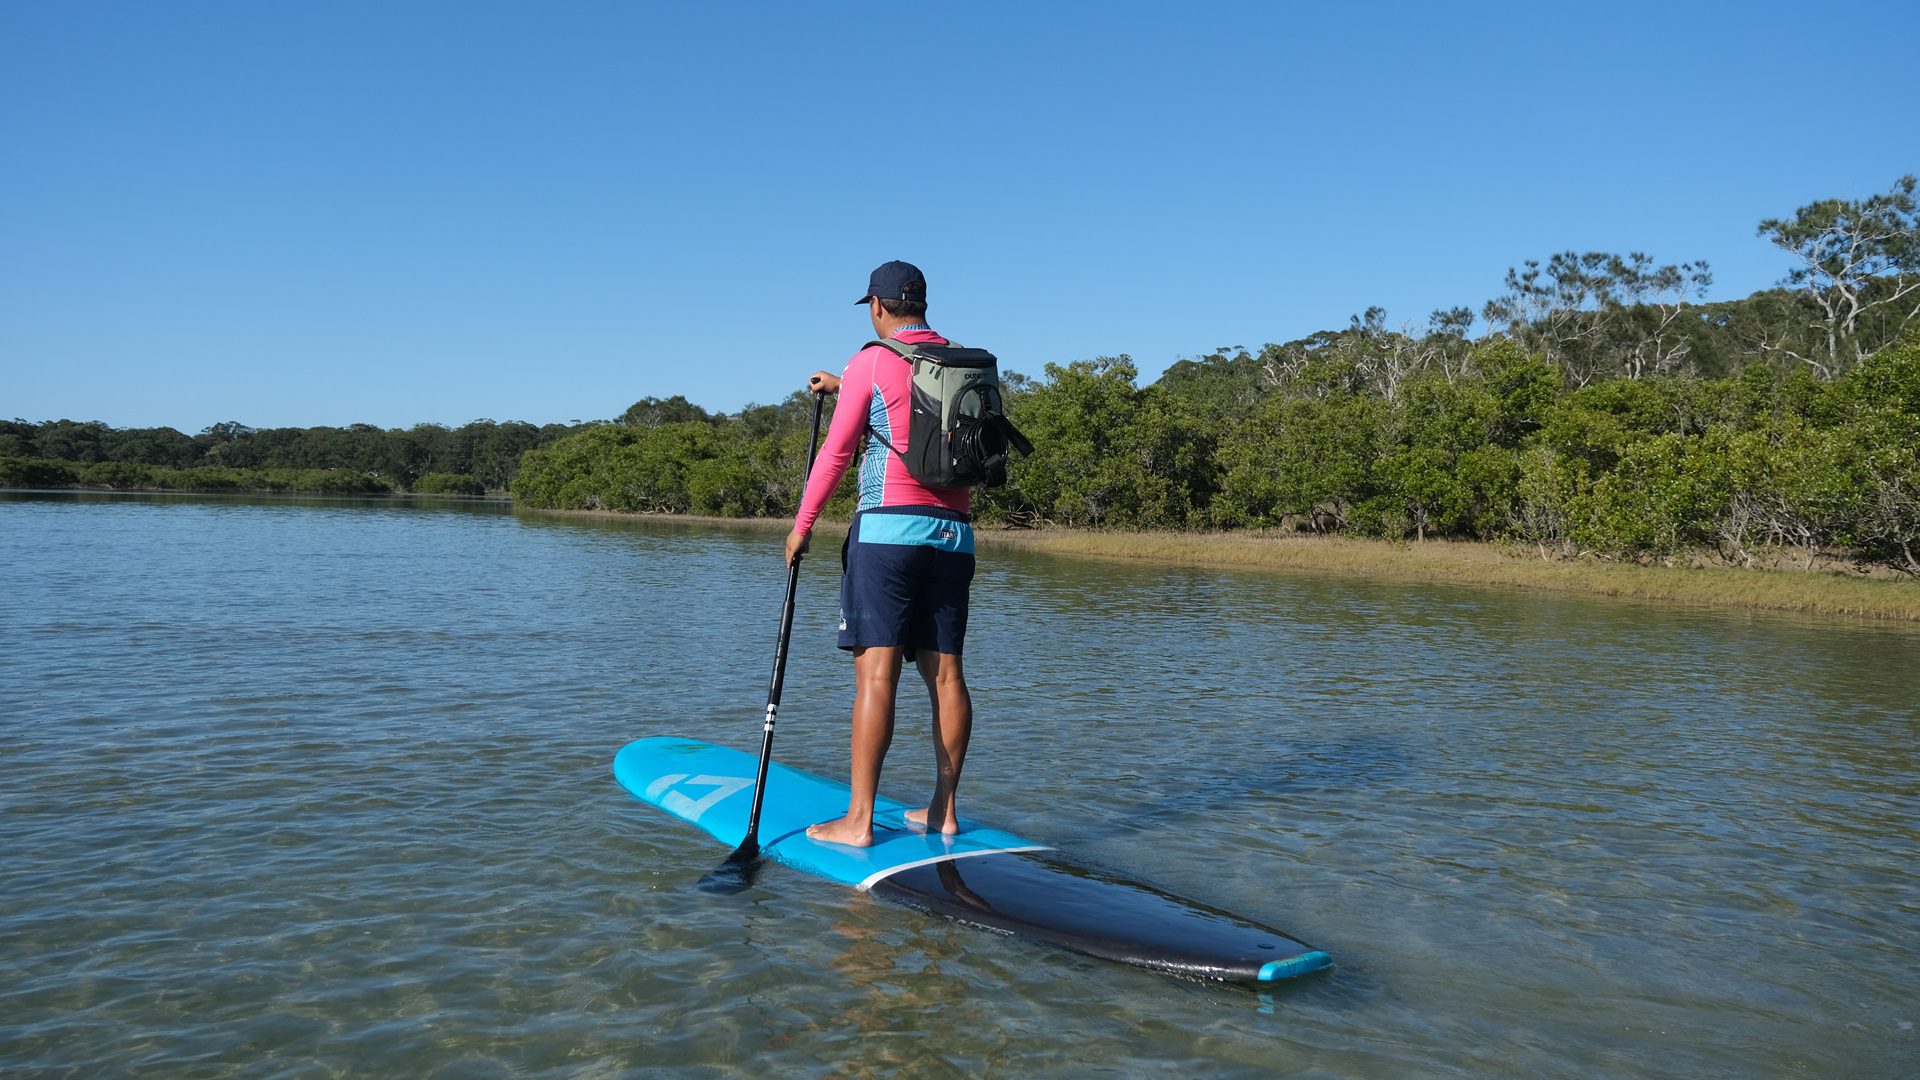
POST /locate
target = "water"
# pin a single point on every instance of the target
(318, 789)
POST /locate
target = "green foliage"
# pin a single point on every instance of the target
(1440, 469)
(121, 475)
(65, 440)
(1887, 380)
(1523, 387)
(653, 412)
(1106, 452)
(1552, 500)
(488, 452)
(729, 466)
(18, 471)
(303, 481)
(1225, 384)
(727, 486)
(1302, 459)
(448, 484)
(1884, 523)
(1656, 499)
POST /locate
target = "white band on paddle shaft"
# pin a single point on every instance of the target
(771, 710)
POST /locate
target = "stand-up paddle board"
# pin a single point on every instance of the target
(979, 876)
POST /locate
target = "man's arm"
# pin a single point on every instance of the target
(836, 451)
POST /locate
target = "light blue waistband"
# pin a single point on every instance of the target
(917, 529)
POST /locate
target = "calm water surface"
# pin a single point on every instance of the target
(309, 790)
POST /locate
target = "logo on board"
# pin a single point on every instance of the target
(690, 796)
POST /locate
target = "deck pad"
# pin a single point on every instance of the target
(712, 787)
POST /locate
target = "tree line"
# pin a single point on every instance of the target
(1600, 409)
(668, 456)
(1594, 405)
(471, 459)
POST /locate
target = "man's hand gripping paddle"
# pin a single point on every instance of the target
(741, 868)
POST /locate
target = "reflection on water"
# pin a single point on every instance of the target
(321, 787)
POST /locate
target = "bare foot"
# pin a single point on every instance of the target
(949, 824)
(842, 831)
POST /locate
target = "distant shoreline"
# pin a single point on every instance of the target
(1827, 591)
(253, 493)
(1822, 592)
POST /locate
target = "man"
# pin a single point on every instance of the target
(908, 562)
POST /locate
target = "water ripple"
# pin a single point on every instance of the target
(322, 790)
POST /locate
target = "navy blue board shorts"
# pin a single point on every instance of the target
(907, 572)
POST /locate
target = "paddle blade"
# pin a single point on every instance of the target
(737, 874)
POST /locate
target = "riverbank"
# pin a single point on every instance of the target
(1819, 592)
(1822, 592)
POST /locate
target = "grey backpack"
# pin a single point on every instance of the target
(958, 434)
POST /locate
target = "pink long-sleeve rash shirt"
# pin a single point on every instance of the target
(875, 391)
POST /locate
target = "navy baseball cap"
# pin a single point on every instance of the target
(896, 280)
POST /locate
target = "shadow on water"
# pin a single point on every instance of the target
(1263, 777)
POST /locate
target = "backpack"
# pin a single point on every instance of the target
(957, 435)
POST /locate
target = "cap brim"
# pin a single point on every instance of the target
(864, 299)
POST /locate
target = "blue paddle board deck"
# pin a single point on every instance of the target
(979, 876)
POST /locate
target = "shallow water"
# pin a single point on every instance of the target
(314, 789)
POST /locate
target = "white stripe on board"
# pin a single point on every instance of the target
(876, 879)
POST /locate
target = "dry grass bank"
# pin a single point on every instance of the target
(1821, 592)
(1826, 592)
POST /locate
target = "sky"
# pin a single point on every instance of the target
(307, 213)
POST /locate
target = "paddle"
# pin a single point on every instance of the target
(738, 872)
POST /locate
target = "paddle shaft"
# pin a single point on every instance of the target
(774, 685)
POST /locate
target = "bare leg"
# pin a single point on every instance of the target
(876, 675)
(952, 728)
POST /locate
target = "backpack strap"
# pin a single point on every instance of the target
(883, 442)
(900, 349)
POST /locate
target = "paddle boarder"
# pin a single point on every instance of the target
(908, 561)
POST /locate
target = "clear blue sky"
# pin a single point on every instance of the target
(302, 213)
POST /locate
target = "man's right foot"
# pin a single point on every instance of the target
(949, 824)
(842, 831)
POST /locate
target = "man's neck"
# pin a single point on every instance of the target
(895, 326)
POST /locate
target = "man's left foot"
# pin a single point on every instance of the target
(949, 824)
